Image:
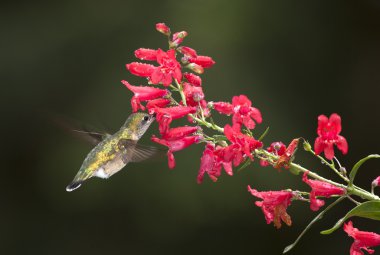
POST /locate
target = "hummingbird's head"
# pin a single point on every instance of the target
(139, 122)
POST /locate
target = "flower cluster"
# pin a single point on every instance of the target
(175, 91)
(168, 72)
(215, 157)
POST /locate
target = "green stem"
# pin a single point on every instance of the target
(180, 90)
(350, 190)
(331, 165)
(207, 124)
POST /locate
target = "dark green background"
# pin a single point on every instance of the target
(294, 59)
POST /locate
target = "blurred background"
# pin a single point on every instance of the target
(294, 59)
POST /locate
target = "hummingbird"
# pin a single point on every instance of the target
(113, 152)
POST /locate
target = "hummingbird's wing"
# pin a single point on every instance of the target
(92, 137)
(136, 152)
(84, 132)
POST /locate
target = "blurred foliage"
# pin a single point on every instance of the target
(294, 59)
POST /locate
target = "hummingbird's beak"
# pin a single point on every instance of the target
(154, 115)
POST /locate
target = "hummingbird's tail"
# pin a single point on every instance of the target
(73, 186)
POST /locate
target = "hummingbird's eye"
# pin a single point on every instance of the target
(146, 118)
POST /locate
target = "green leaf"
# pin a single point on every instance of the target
(370, 210)
(357, 166)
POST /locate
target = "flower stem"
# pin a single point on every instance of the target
(207, 124)
(331, 165)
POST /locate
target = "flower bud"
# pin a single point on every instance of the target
(376, 182)
(162, 28)
(195, 68)
(306, 146)
(177, 39)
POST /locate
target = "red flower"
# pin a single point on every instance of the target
(209, 164)
(229, 156)
(242, 110)
(277, 148)
(146, 54)
(162, 28)
(193, 79)
(176, 145)
(274, 205)
(180, 132)
(143, 93)
(159, 102)
(320, 188)
(141, 69)
(168, 68)
(187, 51)
(203, 61)
(193, 94)
(328, 134)
(362, 239)
(164, 116)
(245, 144)
(213, 159)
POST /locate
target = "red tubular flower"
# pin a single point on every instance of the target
(169, 68)
(244, 113)
(176, 145)
(362, 239)
(193, 94)
(242, 110)
(143, 93)
(187, 51)
(180, 132)
(328, 134)
(141, 69)
(208, 164)
(165, 115)
(193, 79)
(320, 188)
(159, 102)
(274, 205)
(277, 148)
(224, 108)
(213, 159)
(162, 28)
(146, 54)
(203, 61)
